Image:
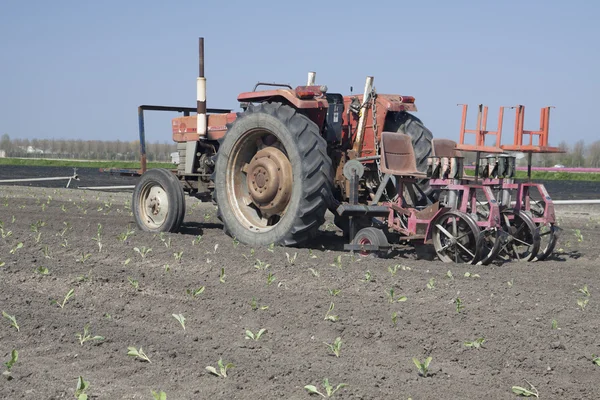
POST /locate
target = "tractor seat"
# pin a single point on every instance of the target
(444, 148)
(398, 155)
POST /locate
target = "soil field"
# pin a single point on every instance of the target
(559, 190)
(128, 284)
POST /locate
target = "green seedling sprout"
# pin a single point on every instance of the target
(42, 270)
(337, 262)
(255, 336)
(329, 316)
(123, 236)
(2, 263)
(521, 391)
(368, 276)
(510, 283)
(98, 237)
(291, 259)
(178, 256)
(222, 372)
(470, 275)
(255, 306)
(310, 254)
(422, 367)
(222, 276)
(134, 283)
(133, 352)
(4, 233)
(14, 356)
(395, 318)
(70, 294)
(142, 251)
(270, 278)
(329, 389)
(393, 270)
(261, 265)
(38, 237)
(314, 272)
(84, 257)
(449, 275)
(46, 251)
(271, 248)
(181, 319)
(159, 395)
(86, 336)
(334, 292)
(555, 324)
(193, 293)
(475, 344)
(12, 319)
(578, 235)
(127, 261)
(582, 303)
(459, 305)
(80, 390)
(392, 297)
(196, 240)
(585, 291)
(595, 359)
(17, 247)
(431, 283)
(236, 243)
(166, 241)
(335, 347)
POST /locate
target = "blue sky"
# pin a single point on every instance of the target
(79, 69)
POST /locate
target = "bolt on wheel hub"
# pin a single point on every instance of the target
(269, 180)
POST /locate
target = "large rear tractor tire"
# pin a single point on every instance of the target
(158, 201)
(273, 177)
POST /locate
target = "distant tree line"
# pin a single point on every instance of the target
(114, 150)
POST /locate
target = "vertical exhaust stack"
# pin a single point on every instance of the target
(201, 93)
(362, 121)
(312, 76)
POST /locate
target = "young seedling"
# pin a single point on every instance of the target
(555, 324)
(459, 305)
(431, 283)
(166, 241)
(271, 248)
(255, 336)
(510, 283)
(2, 263)
(255, 306)
(70, 294)
(181, 319)
(393, 270)
(335, 347)
(178, 256)
(80, 390)
(449, 275)
(84, 257)
(337, 262)
(14, 356)
(42, 270)
(310, 254)
(38, 237)
(521, 391)
(236, 243)
(314, 272)
(261, 265)
(422, 367)
(98, 237)
(582, 303)
(392, 297)
(193, 293)
(270, 278)
(12, 319)
(329, 316)
(123, 236)
(222, 276)
(142, 251)
(585, 291)
(134, 283)
(4, 233)
(133, 352)
(595, 359)
(578, 235)
(196, 240)
(470, 275)
(46, 251)
(222, 372)
(395, 318)
(477, 343)
(86, 336)
(329, 389)
(17, 247)
(334, 292)
(291, 259)
(368, 276)
(159, 395)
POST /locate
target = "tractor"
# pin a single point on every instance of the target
(279, 164)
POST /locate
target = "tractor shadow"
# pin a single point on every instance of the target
(197, 228)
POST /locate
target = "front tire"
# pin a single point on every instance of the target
(158, 202)
(273, 177)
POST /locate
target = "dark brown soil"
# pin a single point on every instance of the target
(511, 305)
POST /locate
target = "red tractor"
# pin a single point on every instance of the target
(275, 168)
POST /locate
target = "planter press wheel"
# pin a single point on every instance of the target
(548, 233)
(456, 238)
(371, 236)
(492, 240)
(522, 240)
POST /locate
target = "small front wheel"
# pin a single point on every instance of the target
(456, 238)
(371, 237)
(158, 201)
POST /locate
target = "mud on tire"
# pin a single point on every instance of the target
(279, 129)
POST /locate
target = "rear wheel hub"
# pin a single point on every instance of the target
(269, 179)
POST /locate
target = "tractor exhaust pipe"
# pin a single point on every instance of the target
(360, 129)
(201, 93)
(312, 76)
